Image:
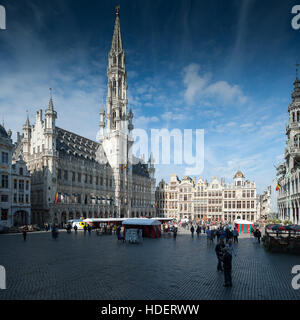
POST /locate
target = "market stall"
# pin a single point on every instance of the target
(243, 226)
(282, 238)
(150, 227)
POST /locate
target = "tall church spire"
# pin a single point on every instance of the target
(117, 46)
(116, 101)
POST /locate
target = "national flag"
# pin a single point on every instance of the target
(278, 186)
(56, 198)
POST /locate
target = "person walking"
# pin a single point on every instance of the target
(208, 234)
(222, 235)
(24, 234)
(235, 235)
(75, 229)
(227, 263)
(198, 230)
(219, 252)
(175, 233)
(54, 232)
(85, 229)
(218, 234)
(227, 233)
(212, 236)
(192, 231)
(257, 234)
(89, 229)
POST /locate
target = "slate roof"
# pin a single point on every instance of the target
(140, 169)
(69, 143)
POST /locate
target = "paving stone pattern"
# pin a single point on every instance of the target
(101, 268)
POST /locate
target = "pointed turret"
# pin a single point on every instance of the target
(117, 45)
(51, 107)
(27, 123)
(50, 116)
(296, 93)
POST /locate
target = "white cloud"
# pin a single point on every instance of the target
(172, 116)
(142, 121)
(199, 87)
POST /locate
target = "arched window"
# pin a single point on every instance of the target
(297, 141)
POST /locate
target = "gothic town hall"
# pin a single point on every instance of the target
(74, 177)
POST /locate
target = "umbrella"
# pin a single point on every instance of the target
(270, 226)
(290, 227)
(278, 227)
(295, 227)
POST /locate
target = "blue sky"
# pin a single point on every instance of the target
(223, 66)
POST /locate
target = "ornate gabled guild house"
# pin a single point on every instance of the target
(74, 177)
(288, 173)
(199, 200)
(15, 184)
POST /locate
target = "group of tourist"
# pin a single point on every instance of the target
(170, 228)
(223, 233)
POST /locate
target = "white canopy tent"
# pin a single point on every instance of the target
(141, 222)
(241, 221)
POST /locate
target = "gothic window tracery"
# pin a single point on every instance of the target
(297, 141)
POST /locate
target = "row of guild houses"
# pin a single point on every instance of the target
(198, 200)
(74, 177)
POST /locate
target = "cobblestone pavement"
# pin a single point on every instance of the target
(90, 267)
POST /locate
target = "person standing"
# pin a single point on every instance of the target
(198, 230)
(257, 234)
(85, 229)
(175, 233)
(227, 263)
(24, 234)
(89, 229)
(54, 232)
(192, 231)
(75, 229)
(218, 233)
(235, 235)
(208, 234)
(219, 252)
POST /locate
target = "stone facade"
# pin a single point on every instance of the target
(15, 184)
(20, 193)
(288, 173)
(6, 149)
(265, 201)
(200, 200)
(74, 177)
